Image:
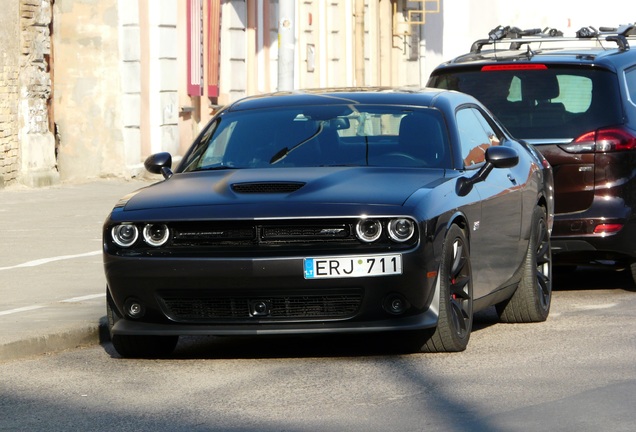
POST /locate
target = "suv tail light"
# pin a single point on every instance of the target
(602, 141)
(605, 229)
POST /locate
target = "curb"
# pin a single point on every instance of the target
(83, 335)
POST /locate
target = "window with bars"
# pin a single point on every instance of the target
(203, 46)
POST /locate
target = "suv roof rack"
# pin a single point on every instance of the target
(517, 37)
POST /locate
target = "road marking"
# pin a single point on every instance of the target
(49, 260)
(82, 298)
(22, 309)
(35, 307)
(597, 306)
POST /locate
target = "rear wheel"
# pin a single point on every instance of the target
(633, 268)
(132, 346)
(455, 296)
(531, 300)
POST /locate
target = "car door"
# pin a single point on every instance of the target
(496, 237)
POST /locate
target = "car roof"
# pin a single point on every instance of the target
(608, 48)
(610, 59)
(350, 95)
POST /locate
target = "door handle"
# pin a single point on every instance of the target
(512, 179)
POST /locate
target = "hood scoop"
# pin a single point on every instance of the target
(267, 187)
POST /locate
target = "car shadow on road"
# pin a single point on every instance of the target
(592, 278)
(303, 346)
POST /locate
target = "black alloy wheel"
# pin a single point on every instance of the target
(532, 298)
(455, 296)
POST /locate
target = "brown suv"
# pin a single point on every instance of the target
(574, 98)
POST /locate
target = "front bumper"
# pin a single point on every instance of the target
(427, 319)
(214, 296)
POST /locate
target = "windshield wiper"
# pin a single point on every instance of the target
(284, 152)
(216, 168)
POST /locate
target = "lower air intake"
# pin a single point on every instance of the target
(310, 307)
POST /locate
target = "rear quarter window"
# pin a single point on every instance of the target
(630, 81)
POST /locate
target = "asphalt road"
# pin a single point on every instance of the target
(574, 372)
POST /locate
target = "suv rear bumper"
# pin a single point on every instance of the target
(581, 249)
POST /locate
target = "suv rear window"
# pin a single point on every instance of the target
(539, 103)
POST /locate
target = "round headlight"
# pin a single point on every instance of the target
(400, 230)
(369, 230)
(124, 235)
(156, 234)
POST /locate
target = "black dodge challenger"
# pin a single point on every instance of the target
(334, 211)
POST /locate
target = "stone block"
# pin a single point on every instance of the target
(170, 138)
(169, 107)
(128, 12)
(168, 75)
(130, 112)
(132, 145)
(167, 43)
(167, 12)
(130, 77)
(130, 49)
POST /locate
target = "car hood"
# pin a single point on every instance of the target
(275, 188)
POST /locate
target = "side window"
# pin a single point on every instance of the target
(494, 138)
(473, 137)
(514, 94)
(575, 93)
(214, 153)
(630, 80)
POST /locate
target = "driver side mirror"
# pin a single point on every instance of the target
(496, 157)
(159, 163)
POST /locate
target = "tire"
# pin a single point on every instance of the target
(132, 346)
(455, 296)
(632, 267)
(531, 300)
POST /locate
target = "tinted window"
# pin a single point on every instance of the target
(475, 136)
(630, 79)
(326, 135)
(552, 103)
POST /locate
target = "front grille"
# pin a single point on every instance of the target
(288, 232)
(280, 307)
(211, 234)
(253, 234)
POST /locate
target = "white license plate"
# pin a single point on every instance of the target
(346, 267)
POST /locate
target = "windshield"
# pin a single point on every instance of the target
(322, 135)
(559, 102)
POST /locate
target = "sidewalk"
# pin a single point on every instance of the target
(52, 286)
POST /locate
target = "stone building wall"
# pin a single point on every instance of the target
(27, 145)
(37, 144)
(8, 121)
(88, 89)
(9, 92)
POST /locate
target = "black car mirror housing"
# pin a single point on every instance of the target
(496, 157)
(159, 163)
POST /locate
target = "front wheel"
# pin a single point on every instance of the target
(134, 346)
(531, 300)
(455, 296)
